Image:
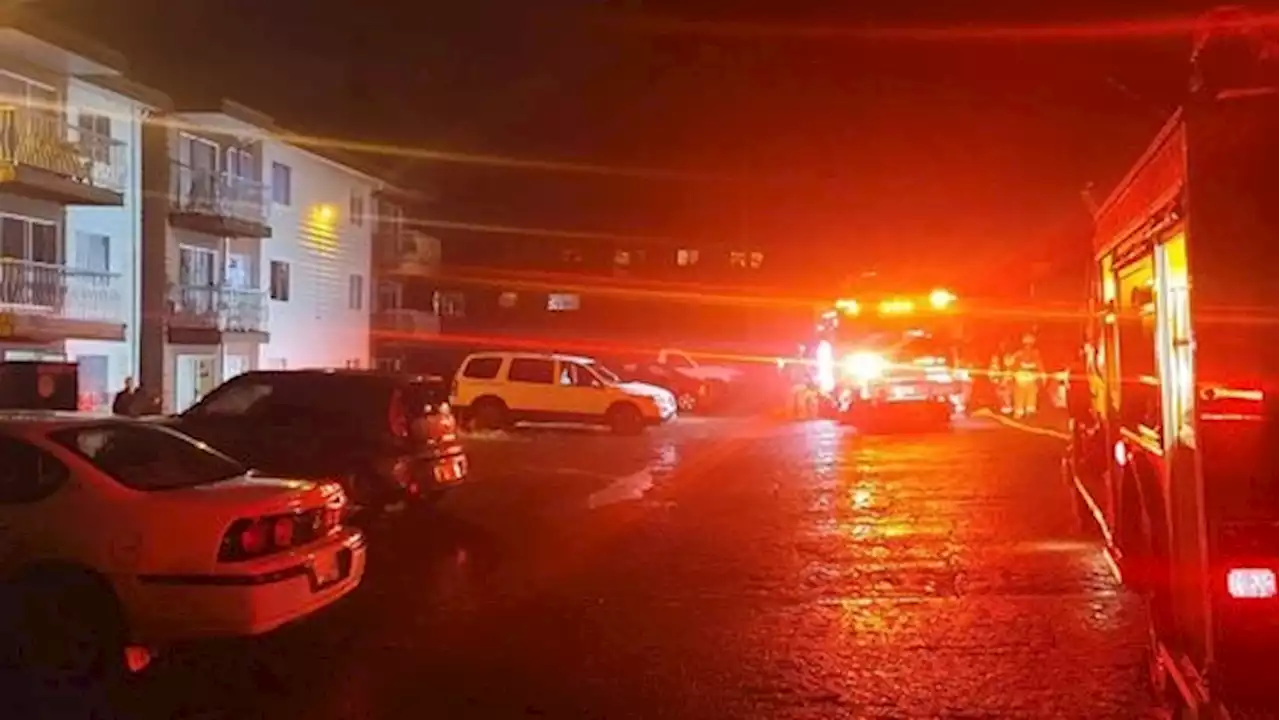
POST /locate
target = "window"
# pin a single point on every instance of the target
(148, 457)
(622, 258)
(737, 259)
(357, 207)
(239, 396)
(576, 375)
(507, 300)
(679, 360)
(281, 184)
(92, 372)
(26, 239)
(449, 304)
(240, 164)
(279, 280)
(560, 302)
(390, 296)
(482, 368)
(685, 258)
(571, 256)
(355, 292)
(95, 136)
(27, 473)
(93, 252)
(755, 260)
(532, 370)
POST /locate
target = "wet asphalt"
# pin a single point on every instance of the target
(716, 568)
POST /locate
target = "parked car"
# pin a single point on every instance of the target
(388, 438)
(496, 389)
(692, 394)
(121, 535)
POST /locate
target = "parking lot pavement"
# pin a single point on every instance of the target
(754, 569)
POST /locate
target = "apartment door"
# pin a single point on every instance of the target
(199, 172)
(196, 376)
(234, 364)
(197, 280)
(237, 273)
(241, 172)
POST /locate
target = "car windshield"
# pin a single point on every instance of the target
(606, 374)
(148, 457)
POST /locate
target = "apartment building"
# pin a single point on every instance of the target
(259, 253)
(407, 310)
(70, 157)
(181, 245)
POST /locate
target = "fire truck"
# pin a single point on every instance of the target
(1174, 434)
(890, 358)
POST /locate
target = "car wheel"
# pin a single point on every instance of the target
(490, 414)
(625, 419)
(687, 401)
(66, 628)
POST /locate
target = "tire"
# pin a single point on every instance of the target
(625, 419)
(66, 627)
(489, 413)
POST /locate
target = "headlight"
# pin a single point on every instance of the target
(864, 365)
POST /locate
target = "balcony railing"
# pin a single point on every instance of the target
(45, 140)
(218, 308)
(57, 291)
(401, 321)
(223, 195)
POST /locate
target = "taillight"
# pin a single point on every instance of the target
(1251, 583)
(250, 538)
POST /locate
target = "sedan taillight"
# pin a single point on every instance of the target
(250, 538)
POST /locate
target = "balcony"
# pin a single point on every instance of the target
(404, 252)
(405, 325)
(216, 203)
(204, 315)
(44, 157)
(43, 302)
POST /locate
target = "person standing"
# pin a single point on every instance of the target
(128, 400)
(1028, 369)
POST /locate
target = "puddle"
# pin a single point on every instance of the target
(625, 489)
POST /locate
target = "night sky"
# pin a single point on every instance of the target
(881, 150)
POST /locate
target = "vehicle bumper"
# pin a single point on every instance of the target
(440, 472)
(661, 418)
(253, 598)
(931, 408)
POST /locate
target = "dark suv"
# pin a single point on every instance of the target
(386, 437)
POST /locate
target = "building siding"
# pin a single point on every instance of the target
(315, 235)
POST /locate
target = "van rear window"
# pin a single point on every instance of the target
(482, 368)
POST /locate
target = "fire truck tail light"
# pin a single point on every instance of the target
(1251, 583)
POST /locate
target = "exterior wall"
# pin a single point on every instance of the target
(123, 225)
(316, 235)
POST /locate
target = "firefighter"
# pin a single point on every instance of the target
(1028, 370)
(998, 374)
(803, 395)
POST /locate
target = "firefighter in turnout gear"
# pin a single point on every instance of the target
(1028, 371)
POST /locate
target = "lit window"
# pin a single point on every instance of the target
(737, 259)
(756, 260)
(685, 258)
(560, 302)
(507, 300)
(622, 258)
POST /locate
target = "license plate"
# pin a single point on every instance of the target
(450, 472)
(905, 392)
(329, 568)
